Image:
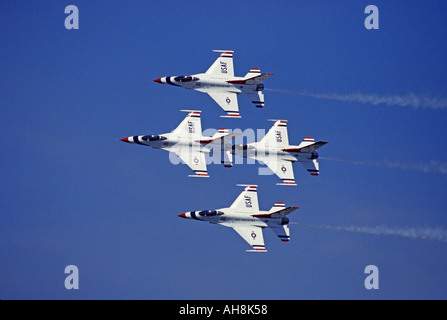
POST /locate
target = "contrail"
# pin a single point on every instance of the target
(429, 166)
(424, 233)
(411, 99)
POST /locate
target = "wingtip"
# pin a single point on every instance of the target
(286, 184)
(234, 117)
(198, 176)
(256, 250)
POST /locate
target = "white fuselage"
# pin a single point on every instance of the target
(255, 151)
(169, 141)
(230, 217)
(204, 82)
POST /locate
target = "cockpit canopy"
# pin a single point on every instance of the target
(210, 213)
(153, 137)
(185, 78)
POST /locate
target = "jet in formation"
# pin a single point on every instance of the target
(220, 84)
(247, 220)
(187, 142)
(276, 153)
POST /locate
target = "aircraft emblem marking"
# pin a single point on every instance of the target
(253, 235)
(283, 169)
(248, 203)
(191, 128)
(278, 136)
(223, 67)
(228, 100)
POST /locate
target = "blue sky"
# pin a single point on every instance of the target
(73, 195)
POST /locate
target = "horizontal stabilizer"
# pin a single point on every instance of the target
(282, 232)
(227, 159)
(312, 167)
(256, 97)
(253, 73)
(306, 146)
(276, 214)
(253, 78)
(222, 133)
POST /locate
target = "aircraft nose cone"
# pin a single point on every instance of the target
(158, 80)
(125, 140)
(182, 215)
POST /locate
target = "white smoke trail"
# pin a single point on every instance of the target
(421, 233)
(429, 166)
(409, 100)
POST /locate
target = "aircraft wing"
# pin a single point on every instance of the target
(227, 101)
(277, 135)
(223, 66)
(282, 168)
(194, 159)
(253, 235)
(247, 201)
(191, 126)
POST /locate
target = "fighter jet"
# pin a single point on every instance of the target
(220, 84)
(247, 220)
(276, 153)
(188, 143)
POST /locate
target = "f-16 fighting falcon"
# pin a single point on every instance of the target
(221, 84)
(247, 220)
(189, 144)
(276, 153)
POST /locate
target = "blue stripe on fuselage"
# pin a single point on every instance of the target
(168, 80)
